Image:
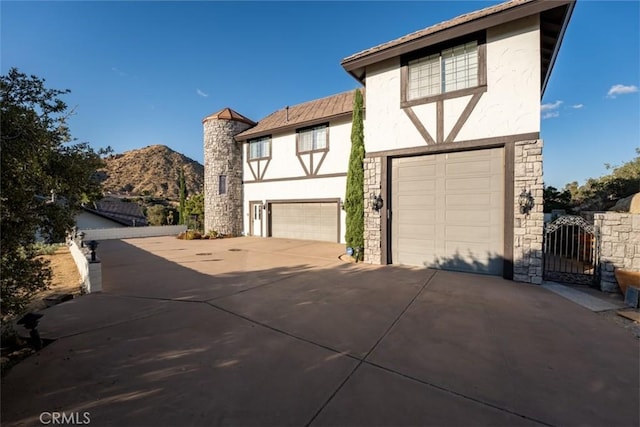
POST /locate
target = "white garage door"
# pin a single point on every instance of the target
(305, 220)
(447, 211)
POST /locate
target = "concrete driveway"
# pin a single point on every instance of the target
(253, 331)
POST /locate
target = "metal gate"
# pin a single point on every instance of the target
(571, 251)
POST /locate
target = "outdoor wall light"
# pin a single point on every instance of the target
(355, 252)
(376, 202)
(525, 201)
(93, 245)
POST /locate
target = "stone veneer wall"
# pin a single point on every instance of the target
(223, 156)
(619, 245)
(372, 224)
(528, 228)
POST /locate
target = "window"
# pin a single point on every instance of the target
(259, 148)
(446, 71)
(222, 184)
(312, 139)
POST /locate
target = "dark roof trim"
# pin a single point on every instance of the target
(565, 23)
(356, 64)
(293, 127)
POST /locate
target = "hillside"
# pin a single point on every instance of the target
(151, 171)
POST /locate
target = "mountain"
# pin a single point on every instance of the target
(151, 171)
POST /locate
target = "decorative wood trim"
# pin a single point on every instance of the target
(418, 124)
(264, 171)
(464, 116)
(296, 178)
(439, 121)
(444, 96)
(324, 155)
(304, 167)
(258, 173)
(509, 178)
(474, 144)
(311, 153)
(482, 64)
(385, 228)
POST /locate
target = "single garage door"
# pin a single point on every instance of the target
(305, 220)
(447, 211)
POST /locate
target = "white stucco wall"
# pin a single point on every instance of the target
(285, 164)
(510, 106)
(304, 189)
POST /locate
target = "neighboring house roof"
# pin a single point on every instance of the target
(305, 114)
(555, 16)
(229, 114)
(125, 213)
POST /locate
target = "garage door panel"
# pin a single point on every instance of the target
(422, 231)
(466, 217)
(447, 210)
(417, 219)
(467, 233)
(305, 220)
(471, 201)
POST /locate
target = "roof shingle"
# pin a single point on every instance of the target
(437, 27)
(310, 112)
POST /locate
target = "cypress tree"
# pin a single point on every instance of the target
(354, 200)
(183, 197)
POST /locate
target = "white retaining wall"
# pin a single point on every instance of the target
(132, 232)
(90, 272)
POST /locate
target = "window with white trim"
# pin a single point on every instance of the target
(259, 148)
(312, 139)
(446, 71)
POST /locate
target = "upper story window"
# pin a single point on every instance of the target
(313, 139)
(439, 72)
(260, 148)
(452, 69)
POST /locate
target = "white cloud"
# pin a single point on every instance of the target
(118, 71)
(201, 93)
(577, 106)
(552, 106)
(550, 110)
(621, 90)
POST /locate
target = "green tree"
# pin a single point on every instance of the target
(157, 215)
(194, 205)
(44, 178)
(183, 197)
(354, 200)
(554, 199)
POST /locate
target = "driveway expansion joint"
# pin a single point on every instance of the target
(363, 360)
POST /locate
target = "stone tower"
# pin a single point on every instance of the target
(223, 172)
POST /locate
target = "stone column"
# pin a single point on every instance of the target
(223, 158)
(372, 224)
(528, 228)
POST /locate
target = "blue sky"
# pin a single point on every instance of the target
(144, 73)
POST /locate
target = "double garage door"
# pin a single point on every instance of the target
(448, 211)
(305, 220)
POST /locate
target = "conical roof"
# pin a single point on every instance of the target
(229, 114)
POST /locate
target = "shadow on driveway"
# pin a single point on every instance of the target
(277, 333)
